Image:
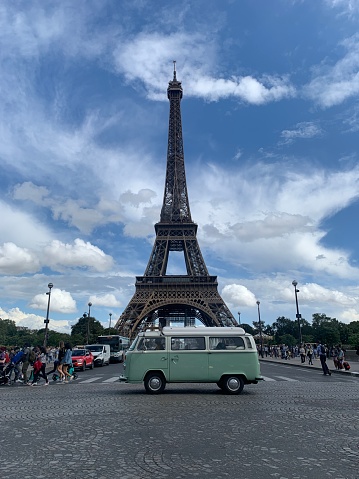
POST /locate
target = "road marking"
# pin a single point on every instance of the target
(287, 379)
(267, 379)
(111, 380)
(91, 380)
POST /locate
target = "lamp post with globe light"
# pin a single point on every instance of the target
(46, 321)
(89, 304)
(260, 329)
(109, 328)
(298, 315)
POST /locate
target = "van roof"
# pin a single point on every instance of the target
(193, 331)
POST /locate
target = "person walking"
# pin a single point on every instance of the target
(25, 363)
(302, 353)
(40, 368)
(323, 359)
(60, 358)
(67, 362)
(310, 354)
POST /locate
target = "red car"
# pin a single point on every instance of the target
(82, 359)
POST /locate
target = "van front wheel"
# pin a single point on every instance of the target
(232, 384)
(154, 383)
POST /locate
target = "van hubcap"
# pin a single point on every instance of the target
(233, 384)
(155, 383)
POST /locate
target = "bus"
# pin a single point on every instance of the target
(118, 346)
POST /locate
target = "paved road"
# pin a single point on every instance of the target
(281, 429)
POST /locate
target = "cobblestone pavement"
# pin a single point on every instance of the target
(272, 430)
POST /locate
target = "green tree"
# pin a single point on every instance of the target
(287, 339)
(284, 326)
(248, 328)
(326, 329)
(86, 326)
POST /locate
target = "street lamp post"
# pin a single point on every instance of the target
(46, 321)
(89, 304)
(239, 318)
(260, 329)
(109, 328)
(298, 315)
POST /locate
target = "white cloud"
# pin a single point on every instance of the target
(147, 56)
(58, 255)
(346, 7)
(32, 321)
(15, 260)
(61, 301)
(21, 228)
(304, 130)
(332, 85)
(237, 296)
(107, 300)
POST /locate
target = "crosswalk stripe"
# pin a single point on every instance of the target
(111, 380)
(287, 379)
(91, 380)
(267, 379)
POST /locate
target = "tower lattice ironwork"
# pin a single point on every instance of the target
(166, 298)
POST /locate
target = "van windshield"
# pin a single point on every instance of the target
(95, 348)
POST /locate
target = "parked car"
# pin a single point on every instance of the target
(82, 359)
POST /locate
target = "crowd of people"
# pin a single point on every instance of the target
(16, 362)
(308, 352)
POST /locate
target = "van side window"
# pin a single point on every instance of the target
(179, 344)
(248, 343)
(226, 343)
(151, 344)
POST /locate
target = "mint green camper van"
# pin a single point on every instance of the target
(225, 356)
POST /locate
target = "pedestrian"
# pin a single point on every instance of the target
(67, 362)
(310, 354)
(40, 367)
(60, 359)
(25, 363)
(340, 357)
(323, 359)
(302, 353)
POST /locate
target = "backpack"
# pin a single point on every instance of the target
(18, 357)
(32, 357)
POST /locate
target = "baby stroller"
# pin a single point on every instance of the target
(5, 374)
(346, 365)
(71, 370)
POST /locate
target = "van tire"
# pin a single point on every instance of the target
(154, 383)
(232, 384)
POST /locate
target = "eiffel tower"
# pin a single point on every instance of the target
(164, 299)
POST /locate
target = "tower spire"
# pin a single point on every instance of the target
(174, 70)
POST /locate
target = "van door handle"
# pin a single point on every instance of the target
(163, 358)
(174, 359)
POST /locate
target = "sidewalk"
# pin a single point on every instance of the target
(354, 365)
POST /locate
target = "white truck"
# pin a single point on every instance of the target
(101, 353)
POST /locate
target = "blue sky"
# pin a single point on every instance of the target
(270, 123)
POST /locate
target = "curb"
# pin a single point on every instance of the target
(288, 363)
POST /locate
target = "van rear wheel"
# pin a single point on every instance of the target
(232, 384)
(154, 383)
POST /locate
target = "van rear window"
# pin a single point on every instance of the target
(178, 344)
(227, 343)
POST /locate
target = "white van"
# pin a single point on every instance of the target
(101, 353)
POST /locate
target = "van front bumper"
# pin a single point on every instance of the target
(122, 379)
